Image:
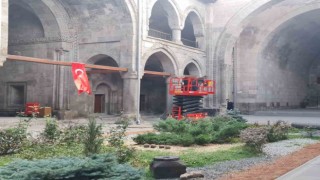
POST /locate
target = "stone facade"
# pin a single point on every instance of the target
(253, 49)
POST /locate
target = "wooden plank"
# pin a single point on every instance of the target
(155, 73)
(61, 63)
(100, 72)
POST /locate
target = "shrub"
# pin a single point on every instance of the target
(116, 140)
(51, 131)
(228, 131)
(235, 114)
(220, 129)
(150, 138)
(93, 137)
(12, 139)
(278, 131)
(254, 137)
(73, 134)
(203, 139)
(172, 125)
(95, 167)
(185, 140)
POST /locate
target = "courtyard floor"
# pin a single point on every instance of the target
(270, 170)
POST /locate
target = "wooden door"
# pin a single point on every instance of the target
(99, 101)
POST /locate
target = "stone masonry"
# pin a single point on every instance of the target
(263, 54)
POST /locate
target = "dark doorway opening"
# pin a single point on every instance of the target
(99, 103)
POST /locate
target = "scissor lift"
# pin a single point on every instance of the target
(188, 93)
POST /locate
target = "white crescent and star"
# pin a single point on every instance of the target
(79, 70)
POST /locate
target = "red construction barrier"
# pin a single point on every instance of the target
(32, 108)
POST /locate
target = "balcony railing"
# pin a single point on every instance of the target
(188, 42)
(166, 36)
(159, 34)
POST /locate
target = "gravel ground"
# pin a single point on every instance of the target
(272, 151)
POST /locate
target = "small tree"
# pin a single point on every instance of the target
(93, 137)
(254, 137)
(116, 140)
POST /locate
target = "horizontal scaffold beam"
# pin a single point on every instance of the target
(100, 69)
(62, 63)
(155, 73)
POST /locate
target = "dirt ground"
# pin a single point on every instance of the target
(278, 167)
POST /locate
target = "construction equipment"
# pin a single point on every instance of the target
(188, 93)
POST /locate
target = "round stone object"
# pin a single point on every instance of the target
(167, 167)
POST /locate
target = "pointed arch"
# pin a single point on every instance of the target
(169, 62)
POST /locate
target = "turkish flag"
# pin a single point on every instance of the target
(80, 78)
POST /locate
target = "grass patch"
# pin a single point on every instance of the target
(45, 151)
(300, 136)
(194, 158)
(199, 159)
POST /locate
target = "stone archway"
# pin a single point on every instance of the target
(193, 31)
(107, 86)
(154, 93)
(267, 58)
(164, 21)
(192, 69)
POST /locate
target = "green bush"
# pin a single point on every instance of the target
(279, 131)
(254, 137)
(93, 137)
(172, 125)
(13, 139)
(203, 139)
(51, 131)
(95, 167)
(172, 132)
(73, 134)
(228, 131)
(235, 114)
(116, 140)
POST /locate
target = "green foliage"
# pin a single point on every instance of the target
(230, 130)
(172, 125)
(13, 139)
(48, 150)
(254, 137)
(51, 131)
(172, 132)
(203, 139)
(116, 140)
(73, 134)
(278, 131)
(95, 167)
(235, 114)
(93, 137)
(194, 158)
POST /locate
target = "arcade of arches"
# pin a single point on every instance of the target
(263, 54)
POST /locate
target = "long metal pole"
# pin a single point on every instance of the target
(139, 39)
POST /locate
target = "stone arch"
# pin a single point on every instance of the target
(197, 20)
(61, 16)
(192, 69)
(95, 87)
(172, 10)
(45, 15)
(226, 43)
(109, 60)
(256, 51)
(193, 28)
(168, 59)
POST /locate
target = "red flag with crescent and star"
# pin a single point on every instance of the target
(80, 78)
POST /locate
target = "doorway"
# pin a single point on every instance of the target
(99, 103)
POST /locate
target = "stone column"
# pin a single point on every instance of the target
(4, 25)
(168, 97)
(130, 87)
(176, 35)
(60, 82)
